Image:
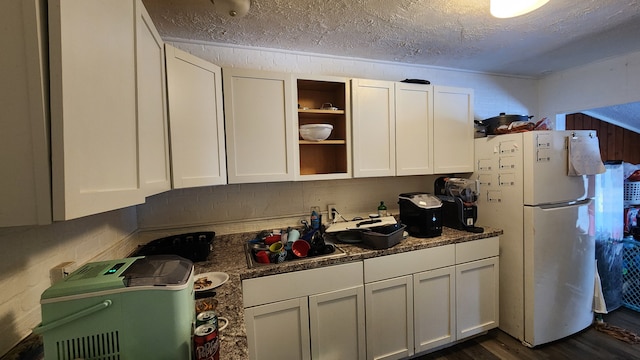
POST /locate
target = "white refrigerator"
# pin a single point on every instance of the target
(547, 251)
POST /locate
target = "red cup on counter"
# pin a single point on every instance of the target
(262, 257)
(300, 248)
(271, 239)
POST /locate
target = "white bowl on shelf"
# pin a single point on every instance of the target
(315, 132)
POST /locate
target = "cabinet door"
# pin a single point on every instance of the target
(25, 187)
(278, 330)
(196, 120)
(337, 324)
(152, 106)
(94, 127)
(389, 322)
(453, 130)
(374, 132)
(260, 129)
(414, 129)
(477, 297)
(434, 308)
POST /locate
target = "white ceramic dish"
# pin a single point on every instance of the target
(315, 132)
(216, 278)
(224, 320)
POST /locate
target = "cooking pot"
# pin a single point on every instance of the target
(491, 124)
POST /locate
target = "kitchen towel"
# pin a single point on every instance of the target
(584, 156)
(599, 304)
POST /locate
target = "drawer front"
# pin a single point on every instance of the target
(477, 249)
(390, 266)
(279, 287)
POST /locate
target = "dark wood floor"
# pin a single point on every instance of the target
(586, 345)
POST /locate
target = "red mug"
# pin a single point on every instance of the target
(262, 257)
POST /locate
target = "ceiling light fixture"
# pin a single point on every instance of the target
(233, 8)
(512, 8)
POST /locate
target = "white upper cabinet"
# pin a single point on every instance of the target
(85, 130)
(260, 130)
(152, 105)
(411, 129)
(24, 131)
(374, 133)
(196, 120)
(330, 158)
(393, 128)
(414, 129)
(94, 124)
(453, 130)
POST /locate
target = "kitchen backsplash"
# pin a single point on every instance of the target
(249, 207)
(28, 252)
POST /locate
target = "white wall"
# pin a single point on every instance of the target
(609, 82)
(493, 93)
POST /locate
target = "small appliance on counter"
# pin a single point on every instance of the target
(458, 196)
(194, 246)
(421, 213)
(133, 308)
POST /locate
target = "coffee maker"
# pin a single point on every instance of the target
(459, 209)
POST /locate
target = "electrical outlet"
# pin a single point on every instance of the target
(60, 271)
(330, 212)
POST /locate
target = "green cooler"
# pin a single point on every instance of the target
(130, 309)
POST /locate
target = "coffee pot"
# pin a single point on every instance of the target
(458, 196)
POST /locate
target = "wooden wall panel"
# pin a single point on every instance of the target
(616, 143)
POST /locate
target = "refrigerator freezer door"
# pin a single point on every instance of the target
(545, 163)
(559, 271)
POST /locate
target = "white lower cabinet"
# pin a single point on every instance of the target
(309, 314)
(389, 309)
(477, 297)
(425, 299)
(337, 324)
(403, 311)
(278, 330)
(434, 295)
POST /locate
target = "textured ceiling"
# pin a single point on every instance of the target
(627, 115)
(449, 33)
(457, 34)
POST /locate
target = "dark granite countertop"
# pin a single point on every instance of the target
(228, 255)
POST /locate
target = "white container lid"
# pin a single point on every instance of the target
(422, 200)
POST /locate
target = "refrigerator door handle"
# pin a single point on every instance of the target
(564, 204)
